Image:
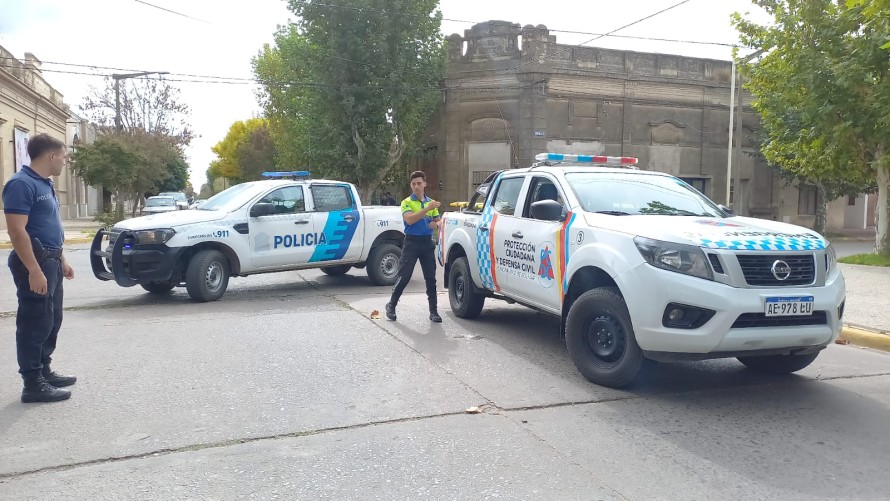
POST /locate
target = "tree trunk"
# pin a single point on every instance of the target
(119, 205)
(882, 212)
(821, 210)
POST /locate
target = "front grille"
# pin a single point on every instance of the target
(112, 236)
(760, 320)
(758, 269)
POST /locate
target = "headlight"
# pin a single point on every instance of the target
(686, 259)
(154, 237)
(830, 259)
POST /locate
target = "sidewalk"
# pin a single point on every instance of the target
(866, 313)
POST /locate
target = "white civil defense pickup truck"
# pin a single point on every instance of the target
(256, 227)
(639, 265)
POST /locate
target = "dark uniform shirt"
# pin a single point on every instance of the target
(29, 194)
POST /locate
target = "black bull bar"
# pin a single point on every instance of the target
(98, 255)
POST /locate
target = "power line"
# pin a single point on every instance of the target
(171, 11)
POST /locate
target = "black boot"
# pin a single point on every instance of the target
(38, 390)
(57, 380)
(390, 311)
(434, 317)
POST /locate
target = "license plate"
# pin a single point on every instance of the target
(788, 306)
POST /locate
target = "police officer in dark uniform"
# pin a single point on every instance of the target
(38, 266)
(421, 216)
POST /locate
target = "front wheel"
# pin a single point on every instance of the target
(207, 275)
(158, 287)
(465, 301)
(779, 364)
(600, 338)
(336, 270)
(383, 264)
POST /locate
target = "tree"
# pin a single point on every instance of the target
(128, 165)
(349, 88)
(245, 152)
(822, 92)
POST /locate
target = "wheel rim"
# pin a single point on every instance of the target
(605, 341)
(214, 276)
(389, 265)
(460, 288)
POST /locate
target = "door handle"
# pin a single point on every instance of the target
(517, 234)
(305, 221)
(348, 219)
(483, 228)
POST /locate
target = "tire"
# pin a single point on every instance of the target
(207, 275)
(338, 270)
(383, 264)
(600, 338)
(158, 287)
(779, 364)
(465, 301)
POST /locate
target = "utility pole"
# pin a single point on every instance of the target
(736, 205)
(118, 126)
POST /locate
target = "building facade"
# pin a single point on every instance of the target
(29, 105)
(512, 92)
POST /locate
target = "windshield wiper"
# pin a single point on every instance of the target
(612, 212)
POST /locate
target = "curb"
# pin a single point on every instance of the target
(868, 338)
(69, 241)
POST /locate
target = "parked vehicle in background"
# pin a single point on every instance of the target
(155, 205)
(182, 201)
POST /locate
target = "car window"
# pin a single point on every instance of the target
(287, 200)
(159, 202)
(329, 198)
(542, 188)
(639, 194)
(507, 195)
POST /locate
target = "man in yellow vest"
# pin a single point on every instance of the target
(421, 216)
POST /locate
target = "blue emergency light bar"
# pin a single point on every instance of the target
(594, 159)
(294, 174)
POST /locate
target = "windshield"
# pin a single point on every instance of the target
(234, 197)
(174, 195)
(634, 194)
(159, 202)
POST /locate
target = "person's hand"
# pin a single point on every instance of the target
(433, 204)
(434, 224)
(67, 270)
(37, 282)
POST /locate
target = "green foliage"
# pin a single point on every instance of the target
(349, 88)
(245, 153)
(867, 259)
(822, 92)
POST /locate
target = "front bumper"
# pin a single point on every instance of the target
(127, 265)
(738, 324)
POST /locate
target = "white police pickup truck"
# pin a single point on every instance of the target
(639, 265)
(256, 227)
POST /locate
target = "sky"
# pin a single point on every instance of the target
(216, 38)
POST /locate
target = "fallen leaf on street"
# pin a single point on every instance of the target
(474, 410)
(375, 315)
(841, 340)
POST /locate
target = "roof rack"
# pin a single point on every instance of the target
(295, 175)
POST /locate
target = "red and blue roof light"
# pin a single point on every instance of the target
(592, 159)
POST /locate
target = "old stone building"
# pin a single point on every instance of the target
(513, 92)
(29, 106)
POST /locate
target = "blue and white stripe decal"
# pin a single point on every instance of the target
(766, 244)
(338, 233)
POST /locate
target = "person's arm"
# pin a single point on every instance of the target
(413, 217)
(21, 242)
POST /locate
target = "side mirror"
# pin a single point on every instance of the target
(262, 209)
(547, 210)
(726, 209)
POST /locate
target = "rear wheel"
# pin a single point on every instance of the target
(207, 275)
(465, 301)
(383, 264)
(600, 338)
(158, 287)
(779, 364)
(336, 270)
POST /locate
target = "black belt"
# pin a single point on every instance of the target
(54, 253)
(418, 237)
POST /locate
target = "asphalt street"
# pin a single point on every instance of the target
(288, 389)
